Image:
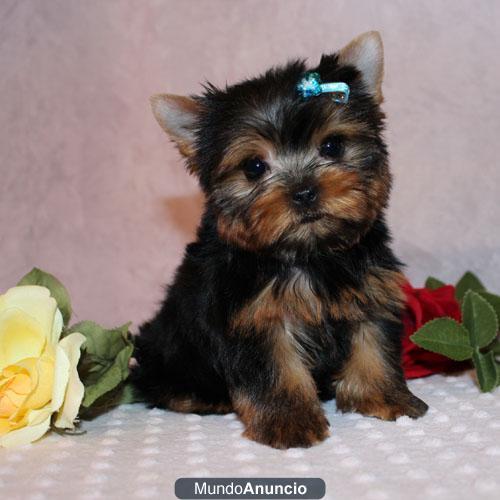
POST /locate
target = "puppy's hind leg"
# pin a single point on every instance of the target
(191, 403)
(174, 375)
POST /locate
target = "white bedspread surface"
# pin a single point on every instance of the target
(135, 452)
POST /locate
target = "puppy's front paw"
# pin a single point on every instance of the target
(289, 428)
(412, 406)
(386, 407)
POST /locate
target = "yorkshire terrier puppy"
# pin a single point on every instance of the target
(290, 294)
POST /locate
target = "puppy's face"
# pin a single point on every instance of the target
(280, 171)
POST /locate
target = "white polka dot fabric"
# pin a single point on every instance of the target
(134, 452)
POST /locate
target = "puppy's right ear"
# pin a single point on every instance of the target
(366, 53)
(178, 117)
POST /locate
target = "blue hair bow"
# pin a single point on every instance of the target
(310, 85)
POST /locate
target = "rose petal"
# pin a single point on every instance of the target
(61, 378)
(57, 328)
(75, 390)
(4, 426)
(34, 301)
(37, 425)
(423, 305)
(13, 391)
(41, 372)
(21, 336)
(34, 370)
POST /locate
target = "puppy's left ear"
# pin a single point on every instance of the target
(366, 54)
(178, 117)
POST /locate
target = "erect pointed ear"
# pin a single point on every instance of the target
(366, 53)
(178, 116)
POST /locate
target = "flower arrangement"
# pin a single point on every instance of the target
(462, 327)
(423, 305)
(52, 373)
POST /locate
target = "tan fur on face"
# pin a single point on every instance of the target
(248, 145)
(270, 216)
(265, 206)
(378, 193)
(341, 195)
(340, 124)
(234, 231)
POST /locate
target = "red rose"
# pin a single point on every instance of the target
(422, 305)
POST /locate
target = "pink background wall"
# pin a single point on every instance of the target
(91, 190)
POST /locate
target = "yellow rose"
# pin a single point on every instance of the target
(38, 375)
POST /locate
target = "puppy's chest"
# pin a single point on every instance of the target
(301, 301)
(303, 313)
(303, 305)
(290, 300)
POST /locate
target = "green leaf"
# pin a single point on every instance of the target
(468, 281)
(433, 283)
(109, 378)
(122, 394)
(57, 290)
(128, 395)
(487, 370)
(105, 358)
(444, 336)
(495, 349)
(479, 318)
(493, 301)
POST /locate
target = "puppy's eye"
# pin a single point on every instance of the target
(331, 147)
(254, 168)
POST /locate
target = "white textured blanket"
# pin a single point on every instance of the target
(133, 452)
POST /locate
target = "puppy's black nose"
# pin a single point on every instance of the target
(305, 197)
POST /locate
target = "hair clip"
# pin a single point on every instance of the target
(310, 85)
